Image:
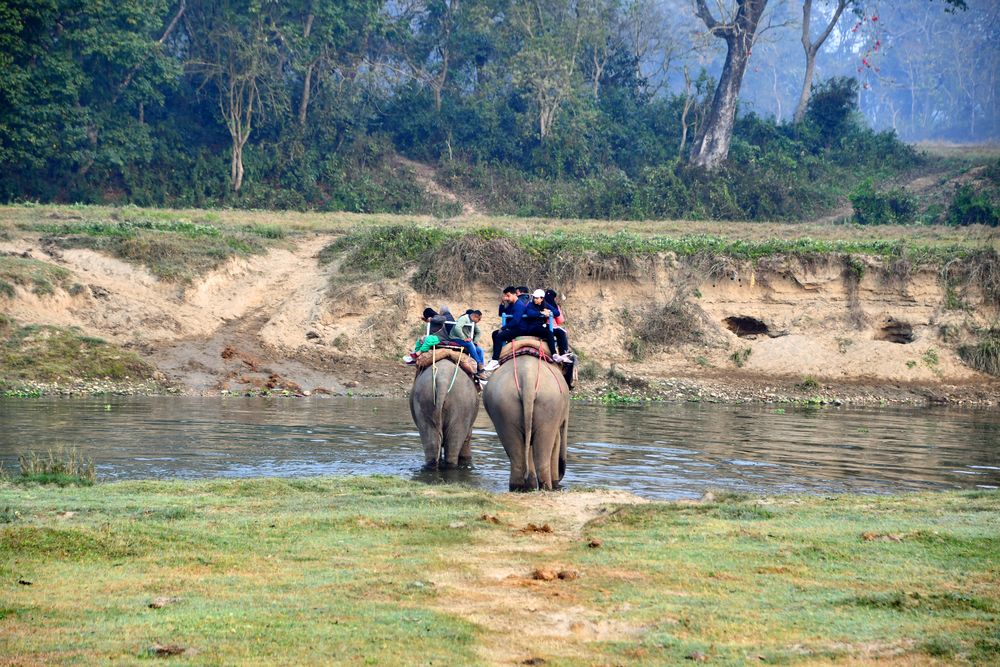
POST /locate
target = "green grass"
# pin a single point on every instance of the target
(275, 571)
(41, 277)
(806, 580)
(447, 260)
(45, 353)
(985, 354)
(173, 247)
(61, 466)
(343, 571)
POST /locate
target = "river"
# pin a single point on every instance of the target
(664, 451)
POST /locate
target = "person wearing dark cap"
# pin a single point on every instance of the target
(440, 323)
(562, 341)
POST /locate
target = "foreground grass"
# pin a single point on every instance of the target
(341, 571)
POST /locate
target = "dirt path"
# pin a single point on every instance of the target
(426, 176)
(514, 583)
(268, 316)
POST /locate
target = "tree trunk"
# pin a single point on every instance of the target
(236, 167)
(712, 148)
(688, 103)
(307, 83)
(800, 110)
(306, 93)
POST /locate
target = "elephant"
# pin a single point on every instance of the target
(528, 401)
(444, 403)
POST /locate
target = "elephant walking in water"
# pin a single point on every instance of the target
(528, 401)
(444, 403)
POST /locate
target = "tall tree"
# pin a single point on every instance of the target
(235, 54)
(321, 40)
(551, 33)
(738, 31)
(812, 47)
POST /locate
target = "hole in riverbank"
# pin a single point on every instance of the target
(745, 326)
(896, 331)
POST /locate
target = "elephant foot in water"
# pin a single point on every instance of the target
(463, 463)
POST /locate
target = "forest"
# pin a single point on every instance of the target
(628, 109)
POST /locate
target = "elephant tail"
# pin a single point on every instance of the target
(439, 398)
(528, 406)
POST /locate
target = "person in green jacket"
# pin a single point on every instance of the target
(466, 333)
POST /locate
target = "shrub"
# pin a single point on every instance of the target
(985, 355)
(895, 207)
(657, 326)
(62, 467)
(831, 104)
(969, 207)
(384, 250)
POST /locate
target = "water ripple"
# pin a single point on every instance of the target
(661, 451)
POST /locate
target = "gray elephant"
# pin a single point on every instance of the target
(528, 401)
(444, 403)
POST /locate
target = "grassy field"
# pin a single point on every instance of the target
(63, 220)
(387, 572)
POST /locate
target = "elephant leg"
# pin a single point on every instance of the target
(430, 438)
(544, 442)
(563, 447)
(465, 455)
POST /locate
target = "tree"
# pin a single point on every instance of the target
(75, 78)
(812, 48)
(551, 33)
(711, 149)
(321, 40)
(232, 50)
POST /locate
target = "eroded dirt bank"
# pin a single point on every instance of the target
(816, 330)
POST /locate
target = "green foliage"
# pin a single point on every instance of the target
(384, 250)
(42, 277)
(895, 207)
(171, 248)
(43, 353)
(831, 104)
(739, 357)
(102, 111)
(808, 383)
(612, 397)
(971, 207)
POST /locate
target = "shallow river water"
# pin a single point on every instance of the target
(658, 450)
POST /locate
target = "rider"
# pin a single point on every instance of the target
(465, 332)
(562, 342)
(512, 308)
(536, 322)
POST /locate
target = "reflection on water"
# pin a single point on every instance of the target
(662, 451)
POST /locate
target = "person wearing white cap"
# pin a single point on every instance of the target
(536, 320)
